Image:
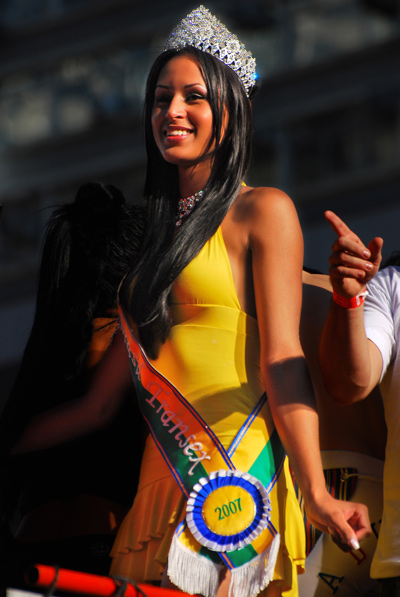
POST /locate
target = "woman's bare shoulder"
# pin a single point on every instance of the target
(256, 202)
(261, 216)
(261, 196)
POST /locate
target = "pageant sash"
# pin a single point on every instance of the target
(228, 508)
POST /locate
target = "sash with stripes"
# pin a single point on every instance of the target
(228, 509)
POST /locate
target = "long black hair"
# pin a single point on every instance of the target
(89, 245)
(147, 290)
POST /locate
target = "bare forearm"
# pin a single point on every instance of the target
(350, 363)
(91, 412)
(344, 355)
(57, 426)
(293, 408)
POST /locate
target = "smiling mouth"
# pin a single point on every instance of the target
(177, 133)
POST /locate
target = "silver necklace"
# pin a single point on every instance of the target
(187, 204)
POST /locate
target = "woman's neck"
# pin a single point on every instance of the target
(192, 180)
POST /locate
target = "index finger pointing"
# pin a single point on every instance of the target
(338, 226)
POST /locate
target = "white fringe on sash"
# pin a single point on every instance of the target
(250, 579)
(192, 572)
(195, 574)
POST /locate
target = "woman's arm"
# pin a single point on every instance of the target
(86, 414)
(277, 255)
(351, 364)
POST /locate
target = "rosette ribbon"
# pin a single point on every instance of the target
(227, 510)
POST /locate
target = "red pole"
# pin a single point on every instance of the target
(90, 584)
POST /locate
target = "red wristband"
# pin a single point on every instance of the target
(349, 303)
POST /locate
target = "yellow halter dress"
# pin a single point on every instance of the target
(212, 357)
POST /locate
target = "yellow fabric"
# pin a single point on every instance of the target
(212, 357)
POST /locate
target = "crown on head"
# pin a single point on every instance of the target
(205, 32)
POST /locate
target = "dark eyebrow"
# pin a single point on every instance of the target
(185, 87)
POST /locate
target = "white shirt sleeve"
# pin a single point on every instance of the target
(382, 313)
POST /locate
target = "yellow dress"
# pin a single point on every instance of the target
(212, 357)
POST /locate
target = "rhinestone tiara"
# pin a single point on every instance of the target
(205, 32)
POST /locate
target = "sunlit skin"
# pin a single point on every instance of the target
(182, 122)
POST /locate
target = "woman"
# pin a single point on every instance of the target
(216, 302)
(68, 511)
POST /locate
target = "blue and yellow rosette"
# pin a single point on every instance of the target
(227, 510)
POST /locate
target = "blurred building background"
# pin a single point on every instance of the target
(72, 73)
